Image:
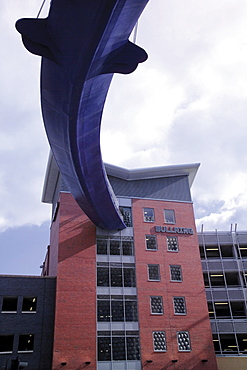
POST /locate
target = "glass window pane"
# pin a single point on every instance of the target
(148, 214)
(6, 343)
(156, 305)
(102, 246)
(183, 341)
(133, 348)
(176, 273)
(127, 217)
(9, 304)
(103, 311)
(104, 349)
(172, 243)
(169, 216)
(127, 247)
(228, 343)
(151, 242)
(129, 277)
(117, 311)
(102, 276)
(26, 343)
(118, 348)
(159, 341)
(115, 247)
(131, 311)
(29, 304)
(179, 305)
(116, 277)
(154, 272)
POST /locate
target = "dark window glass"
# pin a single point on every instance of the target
(217, 279)
(232, 279)
(9, 304)
(211, 310)
(103, 310)
(133, 348)
(127, 247)
(243, 250)
(176, 273)
(172, 243)
(129, 277)
(151, 242)
(206, 279)
(202, 253)
(26, 343)
(179, 305)
(169, 216)
(116, 277)
(115, 247)
(156, 305)
(102, 276)
(118, 348)
(183, 341)
(6, 343)
(216, 343)
(104, 349)
(117, 311)
(222, 310)
(238, 309)
(242, 342)
(101, 246)
(148, 214)
(227, 251)
(154, 272)
(159, 341)
(228, 343)
(29, 304)
(131, 311)
(127, 217)
(212, 251)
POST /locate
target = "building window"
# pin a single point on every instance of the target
(179, 305)
(169, 216)
(176, 272)
(148, 214)
(115, 246)
(118, 308)
(172, 243)
(26, 343)
(6, 343)
(9, 304)
(151, 243)
(154, 272)
(156, 305)
(116, 274)
(183, 341)
(127, 217)
(29, 304)
(159, 341)
(120, 346)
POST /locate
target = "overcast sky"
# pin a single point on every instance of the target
(186, 104)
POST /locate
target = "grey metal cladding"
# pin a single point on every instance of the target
(166, 188)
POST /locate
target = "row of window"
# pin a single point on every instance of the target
(123, 275)
(25, 343)
(169, 215)
(126, 346)
(125, 246)
(120, 308)
(227, 344)
(224, 279)
(223, 251)
(10, 304)
(227, 310)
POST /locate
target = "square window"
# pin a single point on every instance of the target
(6, 343)
(29, 304)
(154, 272)
(9, 304)
(183, 341)
(151, 243)
(104, 348)
(156, 305)
(148, 214)
(176, 273)
(169, 216)
(102, 246)
(172, 243)
(179, 305)
(26, 343)
(159, 341)
(127, 217)
(102, 276)
(127, 247)
(115, 247)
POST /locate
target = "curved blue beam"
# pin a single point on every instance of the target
(83, 42)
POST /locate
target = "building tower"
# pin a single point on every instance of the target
(131, 299)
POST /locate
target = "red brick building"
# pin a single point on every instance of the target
(130, 299)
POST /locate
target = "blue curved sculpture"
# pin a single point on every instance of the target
(82, 43)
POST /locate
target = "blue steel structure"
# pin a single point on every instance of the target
(82, 43)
